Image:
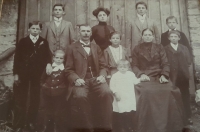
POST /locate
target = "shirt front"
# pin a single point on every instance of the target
(57, 67)
(141, 18)
(87, 49)
(57, 21)
(34, 38)
(174, 46)
(172, 29)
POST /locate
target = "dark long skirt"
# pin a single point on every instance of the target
(159, 107)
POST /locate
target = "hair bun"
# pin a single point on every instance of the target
(96, 11)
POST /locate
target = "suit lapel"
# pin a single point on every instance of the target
(138, 24)
(52, 25)
(63, 25)
(80, 49)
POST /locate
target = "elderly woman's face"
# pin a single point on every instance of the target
(147, 36)
(102, 16)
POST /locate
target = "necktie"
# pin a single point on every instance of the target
(84, 45)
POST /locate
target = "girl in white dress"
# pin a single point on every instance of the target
(124, 104)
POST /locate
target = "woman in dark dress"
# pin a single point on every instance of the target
(159, 105)
(101, 32)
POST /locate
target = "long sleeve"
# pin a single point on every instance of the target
(69, 67)
(17, 58)
(102, 63)
(71, 33)
(44, 31)
(135, 62)
(164, 62)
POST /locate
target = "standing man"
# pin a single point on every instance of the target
(91, 97)
(142, 22)
(59, 33)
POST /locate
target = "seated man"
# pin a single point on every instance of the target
(91, 97)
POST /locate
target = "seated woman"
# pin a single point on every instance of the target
(159, 105)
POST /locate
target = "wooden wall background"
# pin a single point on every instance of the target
(122, 13)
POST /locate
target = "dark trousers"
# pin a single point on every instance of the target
(91, 107)
(54, 112)
(124, 122)
(26, 102)
(183, 84)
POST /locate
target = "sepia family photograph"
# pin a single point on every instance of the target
(99, 66)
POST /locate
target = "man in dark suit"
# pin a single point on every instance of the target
(91, 98)
(172, 22)
(31, 58)
(179, 60)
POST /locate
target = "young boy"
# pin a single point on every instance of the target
(53, 93)
(31, 58)
(59, 33)
(172, 22)
(179, 60)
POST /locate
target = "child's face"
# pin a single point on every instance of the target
(171, 23)
(102, 16)
(58, 58)
(58, 11)
(123, 68)
(115, 40)
(141, 9)
(34, 30)
(174, 38)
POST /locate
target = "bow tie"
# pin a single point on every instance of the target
(84, 45)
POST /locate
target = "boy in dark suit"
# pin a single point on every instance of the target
(179, 59)
(31, 58)
(172, 22)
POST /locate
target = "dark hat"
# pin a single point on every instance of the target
(174, 32)
(96, 11)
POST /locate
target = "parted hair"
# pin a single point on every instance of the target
(59, 4)
(35, 23)
(141, 3)
(146, 30)
(171, 17)
(115, 32)
(174, 32)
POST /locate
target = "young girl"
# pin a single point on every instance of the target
(54, 94)
(124, 104)
(114, 53)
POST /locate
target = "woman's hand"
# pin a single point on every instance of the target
(118, 98)
(144, 78)
(163, 79)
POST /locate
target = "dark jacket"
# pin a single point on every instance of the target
(184, 41)
(31, 59)
(101, 34)
(76, 65)
(54, 84)
(179, 61)
(153, 65)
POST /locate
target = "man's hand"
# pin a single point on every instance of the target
(79, 82)
(101, 79)
(49, 69)
(163, 79)
(118, 98)
(144, 78)
(16, 80)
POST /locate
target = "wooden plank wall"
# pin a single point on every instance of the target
(122, 13)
